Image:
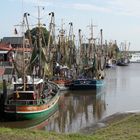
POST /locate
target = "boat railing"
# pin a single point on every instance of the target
(29, 102)
(22, 102)
(53, 85)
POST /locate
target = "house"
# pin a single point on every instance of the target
(17, 43)
(5, 51)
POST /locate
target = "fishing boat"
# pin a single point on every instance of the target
(87, 81)
(110, 63)
(60, 57)
(90, 73)
(123, 62)
(86, 84)
(28, 101)
(61, 78)
(30, 94)
(123, 59)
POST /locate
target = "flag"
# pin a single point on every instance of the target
(17, 94)
(15, 32)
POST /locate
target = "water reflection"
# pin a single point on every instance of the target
(78, 109)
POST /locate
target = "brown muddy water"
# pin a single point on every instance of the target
(79, 110)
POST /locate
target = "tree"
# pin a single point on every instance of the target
(38, 32)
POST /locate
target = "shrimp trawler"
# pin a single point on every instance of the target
(90, 65)
(30, 95)
(123, 59)
(27, 101)
(59, 56)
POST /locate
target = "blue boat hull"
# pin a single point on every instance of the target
(122, 64)
(86, 84)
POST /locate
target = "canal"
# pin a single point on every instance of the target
(80, 109)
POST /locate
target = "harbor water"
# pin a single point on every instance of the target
(80, 109)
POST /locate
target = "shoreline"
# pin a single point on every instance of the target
(105, 122)
(117, 126)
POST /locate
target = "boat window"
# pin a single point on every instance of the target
(20, 87)
(23, 96)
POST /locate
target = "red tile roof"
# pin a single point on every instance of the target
(5, 46)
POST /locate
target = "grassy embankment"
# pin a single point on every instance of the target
(127, 128)
(1, 85)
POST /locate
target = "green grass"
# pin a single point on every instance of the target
(1, 85)
(17, 134)
(127, 128)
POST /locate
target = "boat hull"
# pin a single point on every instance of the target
(122, 64)
(63, 84)
(86, 84)
(27, 112)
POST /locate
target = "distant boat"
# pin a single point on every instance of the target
(123, 59)
(123, 62)
(61, 82)
(110, 63)
(135, 58)
(61, 78)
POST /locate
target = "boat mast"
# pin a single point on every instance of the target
(51, 40)
(51, 47)
(101, 33)
(30, 38)
(62, 43)
(23, 56)
(39, 42)
(91, 45)
(71, 45)
(80, 44)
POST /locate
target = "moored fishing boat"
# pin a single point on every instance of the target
(90, 70)
(61, 78)
(88, 80)
(30, 95)
(86, 84)
(123, 59)
(61, 57)
(28, 101)
(110, 63)
(123, 62)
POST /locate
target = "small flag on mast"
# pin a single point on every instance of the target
(15, 31)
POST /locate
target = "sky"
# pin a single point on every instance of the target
(119, 19)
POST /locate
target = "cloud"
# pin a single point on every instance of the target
(116, 7)
(90, 7)
(35, 2)
(125, 7)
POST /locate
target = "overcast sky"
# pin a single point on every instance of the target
(119, 19)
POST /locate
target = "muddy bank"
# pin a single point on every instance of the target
(105, 122)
